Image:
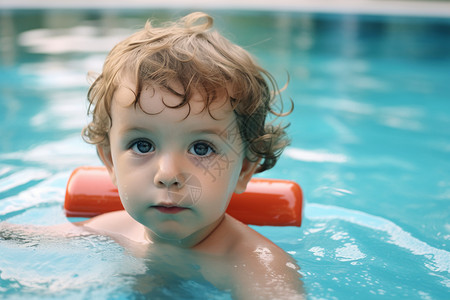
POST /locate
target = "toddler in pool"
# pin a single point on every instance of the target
(179, 121)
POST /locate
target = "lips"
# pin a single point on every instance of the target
(169, 209)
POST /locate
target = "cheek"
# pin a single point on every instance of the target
(130, 180)
(127, 190)
(219, 179)
(221, 168)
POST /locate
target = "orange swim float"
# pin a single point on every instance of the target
(272, 202)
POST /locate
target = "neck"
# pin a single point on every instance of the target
(192, 241)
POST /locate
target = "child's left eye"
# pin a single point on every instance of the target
(202, 149)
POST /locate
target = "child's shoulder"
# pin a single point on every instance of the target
(117, 223)
(255, 262)
(239, 239)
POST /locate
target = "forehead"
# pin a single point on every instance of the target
(160, 105)
(154, 99)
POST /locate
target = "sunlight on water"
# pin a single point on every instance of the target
(55, 153)
(315, 156)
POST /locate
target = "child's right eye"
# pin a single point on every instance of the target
(142, 147)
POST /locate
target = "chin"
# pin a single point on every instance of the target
(169, 236)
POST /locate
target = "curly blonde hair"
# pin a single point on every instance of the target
(201, 60)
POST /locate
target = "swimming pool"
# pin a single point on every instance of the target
(371, 150)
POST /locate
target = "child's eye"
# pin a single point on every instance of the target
(202, 149)
(142, 147)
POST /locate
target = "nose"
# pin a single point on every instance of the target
(168, 174)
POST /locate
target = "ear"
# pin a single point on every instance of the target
(104, 152)
(247, 171)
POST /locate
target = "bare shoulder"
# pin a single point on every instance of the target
(118, 223)
(253, 244)
(262, 268)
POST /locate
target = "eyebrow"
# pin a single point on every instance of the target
(134, 130)
(212, 131)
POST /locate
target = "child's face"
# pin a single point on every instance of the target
(175, 168)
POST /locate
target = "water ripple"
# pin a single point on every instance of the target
(48, 191)
(56, 154)
(21, 178)
(438, 259)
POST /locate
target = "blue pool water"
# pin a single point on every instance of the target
(370, 148)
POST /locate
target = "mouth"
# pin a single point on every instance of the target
(169, 209)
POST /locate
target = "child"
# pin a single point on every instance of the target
(179, 122)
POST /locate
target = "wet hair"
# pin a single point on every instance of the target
(202, 61)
